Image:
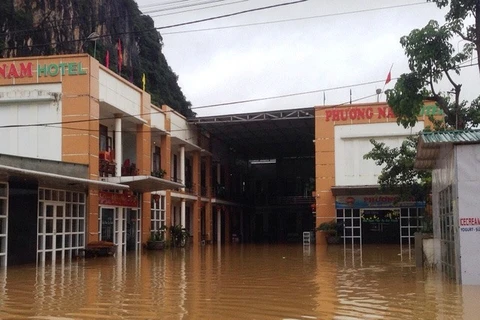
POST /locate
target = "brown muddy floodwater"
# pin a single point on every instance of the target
(238, 282)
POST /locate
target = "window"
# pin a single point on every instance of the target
(157, 213)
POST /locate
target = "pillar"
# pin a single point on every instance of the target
(208, 222)
(166, 154)
(196, 169)
(182, 165)
(197, 233)
(182, 213)
(219, 225)
(118, 145)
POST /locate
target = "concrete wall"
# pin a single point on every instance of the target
(352, 142)
(467, 158)
(119, 94)
(30, 104)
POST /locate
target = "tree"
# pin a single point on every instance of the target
(431, 57)
(459, 12)
(398, 174)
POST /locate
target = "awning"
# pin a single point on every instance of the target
(355, 190)
(145, 183)
(58, 180)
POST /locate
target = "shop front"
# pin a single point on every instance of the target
(384, 219)
(119, 220)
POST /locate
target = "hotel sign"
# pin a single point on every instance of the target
(367, 113)
(125, 199)
(27, 70)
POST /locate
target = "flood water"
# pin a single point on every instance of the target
(238, 282)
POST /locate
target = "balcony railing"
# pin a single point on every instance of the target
(129, 169)
(106, 164)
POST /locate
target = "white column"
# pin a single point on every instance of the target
(182, 214)
(118, 145)
(119, 221)
(182, 165)
(219, 226)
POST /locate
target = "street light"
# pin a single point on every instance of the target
(92, 37)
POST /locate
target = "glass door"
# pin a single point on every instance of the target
(107, 228)
(133, 230)
(51, 232)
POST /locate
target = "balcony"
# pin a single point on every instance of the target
(106, 164)
(129, 169)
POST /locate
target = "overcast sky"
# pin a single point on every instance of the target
(336, 48)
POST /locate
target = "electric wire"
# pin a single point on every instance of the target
(216, 28)
(236, 13)
(297, 19)
(213, 105)
(200, 107)
(56, 125)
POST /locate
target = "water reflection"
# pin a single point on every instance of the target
(237, 282)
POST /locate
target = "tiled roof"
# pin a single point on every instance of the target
(429, 144)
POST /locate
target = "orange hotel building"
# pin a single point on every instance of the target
(86, 157)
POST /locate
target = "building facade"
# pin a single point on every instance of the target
(346, 184)
(87, 157)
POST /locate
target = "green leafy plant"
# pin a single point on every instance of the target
(159, 173)
(156, 240)
(329, 227)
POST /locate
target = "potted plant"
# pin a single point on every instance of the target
(330, 230)
(179, 236)
(157, 239)
(158, 173)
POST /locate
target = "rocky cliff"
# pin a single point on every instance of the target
(49, 27)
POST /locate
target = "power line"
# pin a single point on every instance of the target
(172, 25)
(286, 95)
(183, 6)
(55, 125)
(198, 9)
(298, 19)
(201, 107)
(103, 19)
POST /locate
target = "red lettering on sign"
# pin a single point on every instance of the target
(470, 221)
(12, 71)
(355, 113)
(335, 115)
(26, 70)
(328, 115)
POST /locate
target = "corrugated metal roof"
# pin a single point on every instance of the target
(457, 136)
(428, 148)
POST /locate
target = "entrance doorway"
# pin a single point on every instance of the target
(51, 232)
(107, 229)
(61, 224)
(121, 226)
(380, 225)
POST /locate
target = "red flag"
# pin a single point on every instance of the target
(120, 56)
(389, 77)
(107, 59)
